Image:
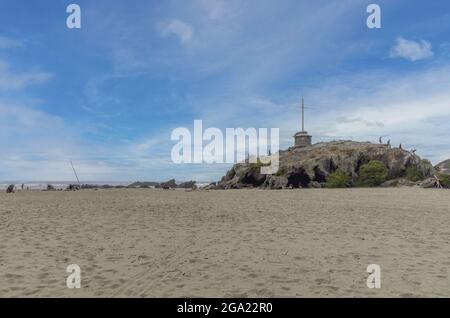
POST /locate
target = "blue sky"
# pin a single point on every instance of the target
(108, 95)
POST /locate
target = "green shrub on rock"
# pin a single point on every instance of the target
(338, 179)
(413, 174)
(444, 179)
(372, 174)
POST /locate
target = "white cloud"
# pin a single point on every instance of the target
(409, 108)
(10, 80)
(215, 8)
(179, 28)
(411, 50)
(8, 43)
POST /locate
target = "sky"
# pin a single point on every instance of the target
(108, 95)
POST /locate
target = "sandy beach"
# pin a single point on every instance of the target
(239, 243)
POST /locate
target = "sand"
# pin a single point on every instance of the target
(241, 243)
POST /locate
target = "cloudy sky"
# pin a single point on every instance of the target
(108, 95)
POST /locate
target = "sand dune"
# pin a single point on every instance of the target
(242, 243)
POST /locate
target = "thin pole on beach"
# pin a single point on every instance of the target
(74, 171)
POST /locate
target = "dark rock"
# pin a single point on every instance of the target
(188, 185)
(171, 184)
(315, 184)
(276, 182)
(73, 187)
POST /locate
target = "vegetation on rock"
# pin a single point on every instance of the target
(338, 179)
(413, 174)
(372, 174)
(445, 180)
(306, 167)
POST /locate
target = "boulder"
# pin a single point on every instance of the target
(401, 182)
(316, 185)
(10, 188)
(188, 185)
(171, 184)
(73, 187)
(276, 182)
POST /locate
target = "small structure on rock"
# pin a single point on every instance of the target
(302, 138)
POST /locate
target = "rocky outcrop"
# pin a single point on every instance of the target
(310, 166)
(143, 185)
(276, 182)
(171, 184)
(443, 167)
(73, 187)
(187, 185)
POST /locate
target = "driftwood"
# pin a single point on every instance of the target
(432, 182)
(438, 182)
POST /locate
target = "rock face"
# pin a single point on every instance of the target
(188, 185)
(171, 184)
(73, 187)
(310, 166)
(443, 167)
